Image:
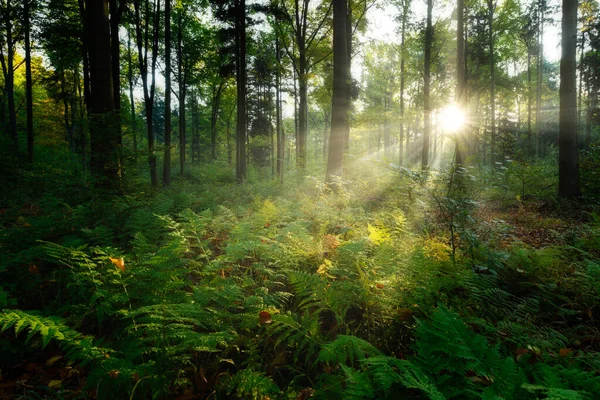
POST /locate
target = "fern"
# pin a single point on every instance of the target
(347, 350)
(247, 383)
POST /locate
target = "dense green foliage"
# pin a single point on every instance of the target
(401, 285)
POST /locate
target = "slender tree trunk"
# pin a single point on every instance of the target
(280, 143)
(580, 95)
(214, 116)
(529, 105)
(10, 77)
(241, 90)
(131, 98)
(426, 87)
(182, 97)
(28, 79)
(540, 71)
(460, 78)
(405, 8)
(104, 139)
(302, 106)
(143, 44)
(167, 151)
(568, 146)
(491, 9)
(115, 48)
(339, 106)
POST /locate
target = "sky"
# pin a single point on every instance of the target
(382, 26)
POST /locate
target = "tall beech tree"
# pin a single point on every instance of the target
(167, 150)
(28, 78)
(427, 86)
(104, 137)
(146, 23)
(307, 24)
(339, 104)
(568, 144)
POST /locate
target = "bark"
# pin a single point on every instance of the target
(214, 115)
(540, 70)
(116, 11)
(402, 78)
(491, 9)
(131, 99)
(143, 44)
(339, 106)
(167, 151)
(9, 76)
(460, 77)
(241, 90)
(182, 97)
(280, 143)
(568, 146)
(103, 130)
(426, 86)
(28, 80)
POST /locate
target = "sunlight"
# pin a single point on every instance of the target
(452, 119)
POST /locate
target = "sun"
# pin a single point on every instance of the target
(452, 119)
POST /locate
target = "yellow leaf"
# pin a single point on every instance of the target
(53, 360)
(119, 263)
(55, 384)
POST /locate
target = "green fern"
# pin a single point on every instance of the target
(347, 350)
(251, 384)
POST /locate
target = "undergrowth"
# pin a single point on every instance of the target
(394, 287)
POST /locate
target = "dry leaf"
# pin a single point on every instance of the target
(379, 286)
(53, 360)
(119, 263)
(264, 317)
(564, 352)
(33, 269)
(55, 384)
(114, 373)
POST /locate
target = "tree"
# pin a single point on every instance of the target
(339, 106)
(568, 145)
(9, 42)
(427, 86)
(28, 78)
(306, 27)
(240, 40)
(148, 41)
(104, 138)
(167, 151)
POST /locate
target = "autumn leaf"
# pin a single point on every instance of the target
(53, 360)
(564, 352)
(33, 269)
(379, 285)
(264, 318)
(55, 384)
(119, 263)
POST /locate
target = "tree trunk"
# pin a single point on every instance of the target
(167, 150)
(426, 87)
(280, 142)
(491, 9)
(28, 79)
(182, 97)
(9, 76)
(461, 72)
(540, 71)
(339, 106)
(131, 99)
(115, 47)
(241, 90)
(568, 149)
(143, 43)
(302, 106)
(405, 5)
(104, 139)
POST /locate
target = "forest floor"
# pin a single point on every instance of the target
(266, 267)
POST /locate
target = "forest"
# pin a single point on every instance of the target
(300, 199)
